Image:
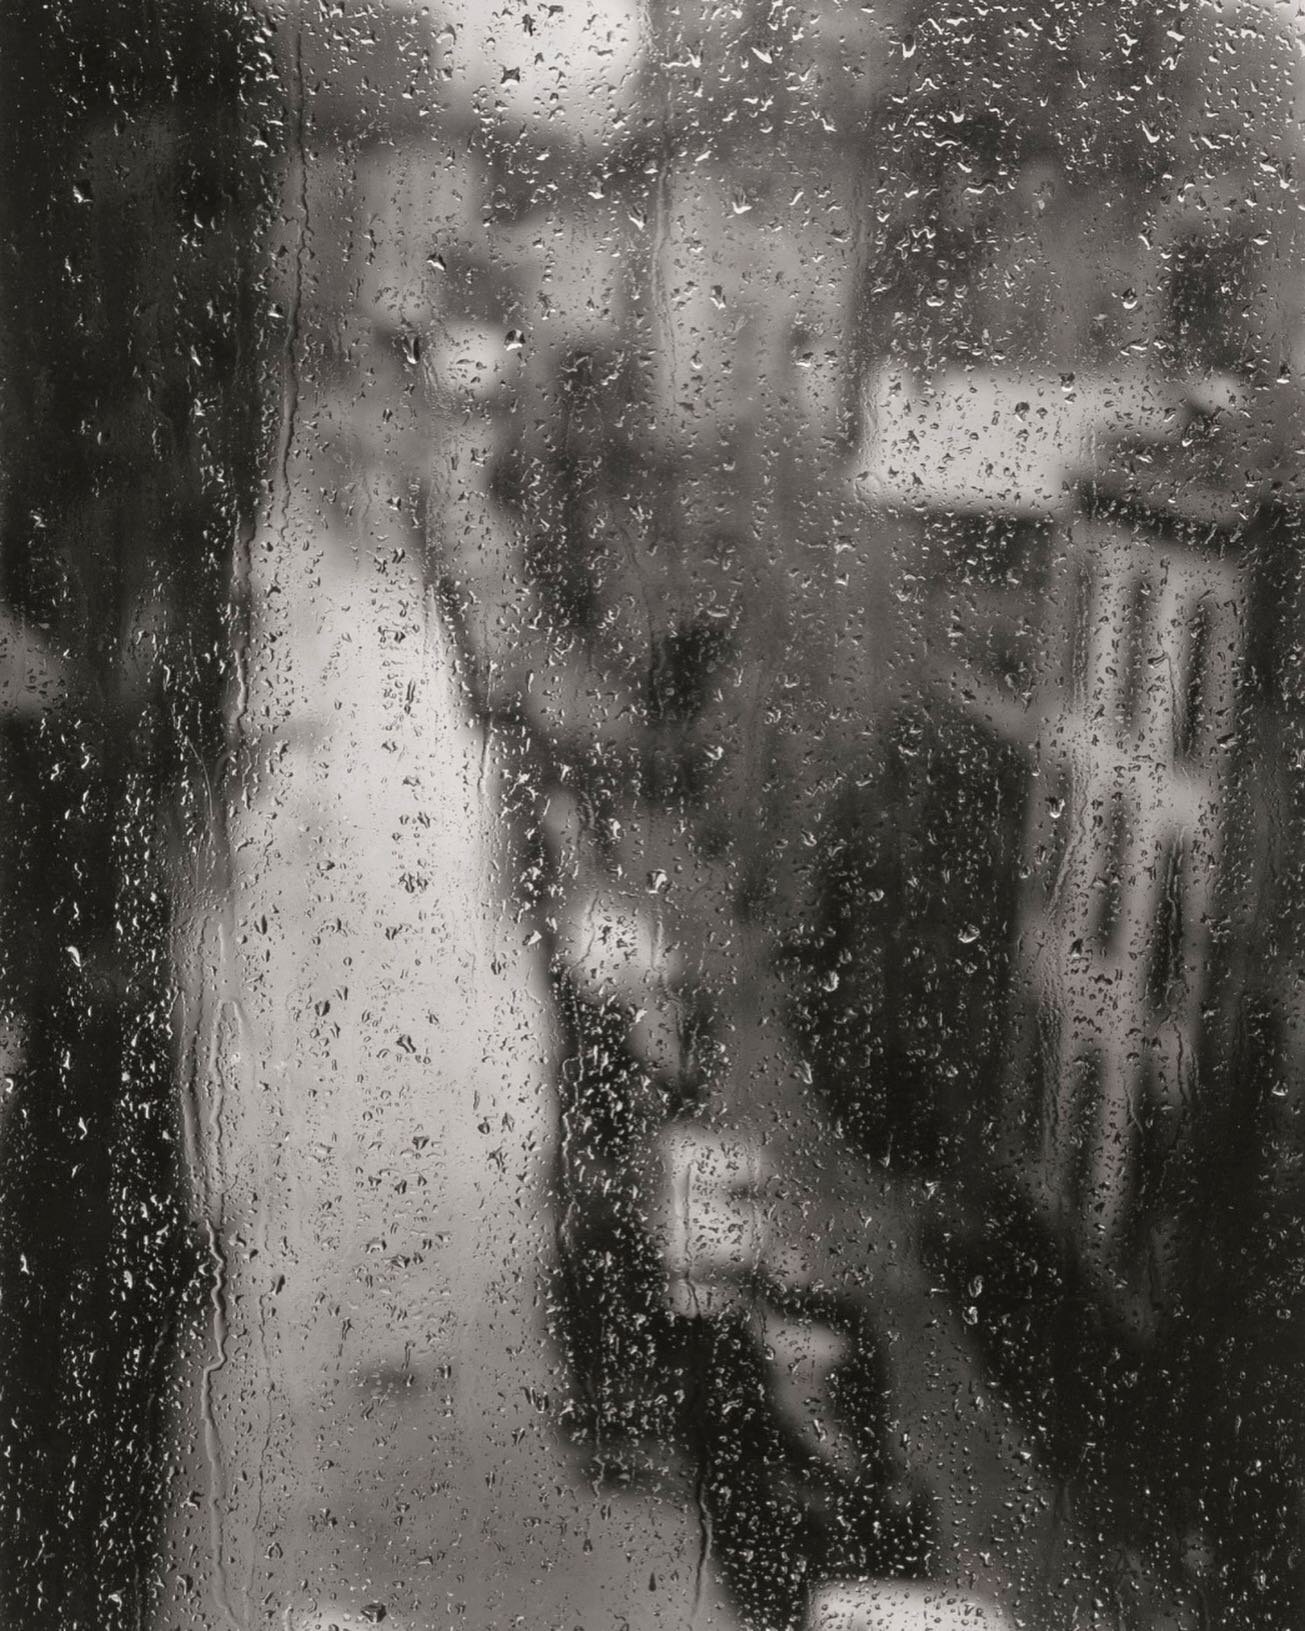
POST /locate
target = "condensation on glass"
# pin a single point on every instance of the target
(651, 663)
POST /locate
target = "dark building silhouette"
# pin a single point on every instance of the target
(130, 330)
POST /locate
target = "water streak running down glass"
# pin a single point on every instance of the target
(653, 816)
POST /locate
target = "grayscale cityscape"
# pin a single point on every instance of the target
(652, 667)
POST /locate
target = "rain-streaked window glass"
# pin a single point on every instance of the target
(652, 815)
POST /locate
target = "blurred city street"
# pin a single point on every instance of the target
(377, 1392)
(653, 815)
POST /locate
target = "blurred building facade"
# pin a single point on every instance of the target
(130, 429)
